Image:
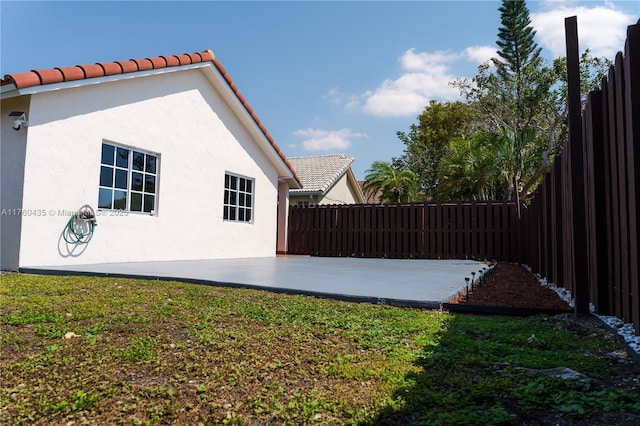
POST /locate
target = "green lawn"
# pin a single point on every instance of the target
(153, 352)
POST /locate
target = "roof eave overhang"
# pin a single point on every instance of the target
(302, 191)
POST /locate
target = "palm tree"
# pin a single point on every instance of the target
(395, 186)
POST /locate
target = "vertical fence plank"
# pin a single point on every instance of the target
(581, 273)
(632, 119)
(615, 193)
(620, 143)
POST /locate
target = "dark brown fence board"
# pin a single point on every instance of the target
(632, 108)
(622, 185)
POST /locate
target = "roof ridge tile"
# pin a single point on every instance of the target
(72, 73)
(143, 64)
(128, 66)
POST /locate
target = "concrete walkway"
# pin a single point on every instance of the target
(417, 283)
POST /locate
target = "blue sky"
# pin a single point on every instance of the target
(324, 77)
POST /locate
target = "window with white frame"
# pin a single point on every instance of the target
(128, 179)
(238, 198)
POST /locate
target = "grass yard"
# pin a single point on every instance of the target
(153, 352)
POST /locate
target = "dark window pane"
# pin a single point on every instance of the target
(249, 184)
(248, 200)
(104, 198)
(136, 202)
(242, 184)
(138, 161)
(136, 181)
(106, 176)
(232, 213)
(227, 178)
(121, 179)
(234, 182)
(122, 158)
(151, 163)
(241, 215)
(149, 201)
(150, 184)
(248, 216)
(232, 198)
(241, 201)
(225, 213)
(226, 197)
(107, 154)
(120, 200)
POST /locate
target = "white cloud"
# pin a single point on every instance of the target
(337, 97)
(481, 54)
(427, 77)
(326, 140)
(602, 29)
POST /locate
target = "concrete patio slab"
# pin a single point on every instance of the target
(416, 283)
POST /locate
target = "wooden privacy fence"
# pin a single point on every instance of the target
(474, 230)
(602, 255)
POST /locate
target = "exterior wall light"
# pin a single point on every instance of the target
(20, 120)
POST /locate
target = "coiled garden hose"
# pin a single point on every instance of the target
(79, 228)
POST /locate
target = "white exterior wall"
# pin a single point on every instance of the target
(12, 152)
(197, 138)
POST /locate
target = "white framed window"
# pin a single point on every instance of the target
(238, 198)
(128, 179)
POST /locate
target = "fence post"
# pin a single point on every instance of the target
(581, 273)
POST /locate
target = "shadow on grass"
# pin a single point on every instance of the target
(485, 370)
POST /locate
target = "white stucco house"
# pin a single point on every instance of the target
(165, 150)
(326, 179)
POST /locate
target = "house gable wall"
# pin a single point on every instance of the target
(197, 137)
(340, 193)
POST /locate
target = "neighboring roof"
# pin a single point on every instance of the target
(103, 69)
(319, 173)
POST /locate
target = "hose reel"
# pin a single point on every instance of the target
(79, 228)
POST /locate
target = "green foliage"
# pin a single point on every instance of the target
(138, 350)
(394, 185)
(427, 143)
(470, 170)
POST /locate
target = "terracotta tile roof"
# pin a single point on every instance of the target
(82, 72)
(101, 69)
(319, 173)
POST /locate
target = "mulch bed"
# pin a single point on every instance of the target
(511, 286)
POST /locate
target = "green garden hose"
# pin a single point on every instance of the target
(79, 228)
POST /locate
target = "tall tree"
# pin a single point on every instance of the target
(512, 90)
(394, 185)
